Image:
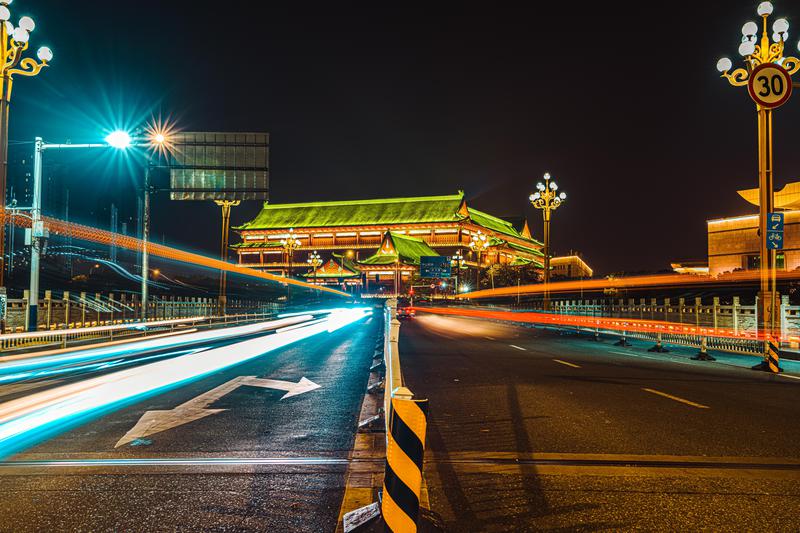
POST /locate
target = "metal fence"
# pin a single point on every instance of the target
(739, 319)
(91, 310)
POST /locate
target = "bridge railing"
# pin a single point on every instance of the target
(63, 338)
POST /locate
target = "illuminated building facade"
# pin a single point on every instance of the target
(570, 267)
(733, 243)
(375, 241)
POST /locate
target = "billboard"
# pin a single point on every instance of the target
(219, 166)
(434, 267)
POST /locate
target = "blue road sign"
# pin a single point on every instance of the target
(775, 222)
(435, 266)
(775, 240)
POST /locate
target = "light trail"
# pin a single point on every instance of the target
(663, 281)
(88, 233)
(34, 360)
(600, 323)
(25, 420)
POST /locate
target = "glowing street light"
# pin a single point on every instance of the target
(479, 243)
(767, 73)
(38, 233)
(290, 243)
(457, 261)
(548, 199)
(314, 261)
(14, 41)
(119, 139)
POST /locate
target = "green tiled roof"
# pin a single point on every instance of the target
(532, 251)
(332, 269)
(358, 213)
(521, 261)
(496, 224)
(257, 244)
(410, 249)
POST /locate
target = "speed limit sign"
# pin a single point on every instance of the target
(770, 85)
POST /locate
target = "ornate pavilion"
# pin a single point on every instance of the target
(374, 242)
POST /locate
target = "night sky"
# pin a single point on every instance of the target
(626, 110)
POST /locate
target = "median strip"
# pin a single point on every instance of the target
(677, 399)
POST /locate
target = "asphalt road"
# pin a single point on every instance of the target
(530, 430)
(256, 462)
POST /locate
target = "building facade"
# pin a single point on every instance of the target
(569, 267)
(381, 239)
(733, 243)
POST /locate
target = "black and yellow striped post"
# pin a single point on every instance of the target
(405, 449)
(772, 358)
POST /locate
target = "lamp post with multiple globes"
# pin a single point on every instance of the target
(548, 199)
(13, 44)
(767, 73)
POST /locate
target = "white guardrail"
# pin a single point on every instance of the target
(63, 337)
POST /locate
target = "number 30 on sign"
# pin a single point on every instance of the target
(770, 85)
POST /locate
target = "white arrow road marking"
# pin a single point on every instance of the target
(153, 422)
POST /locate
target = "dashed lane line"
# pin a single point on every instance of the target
(790, 377)
(676, 398)
(488, 338)
(518, 347)
(573, 365)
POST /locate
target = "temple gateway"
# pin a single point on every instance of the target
(374, 243)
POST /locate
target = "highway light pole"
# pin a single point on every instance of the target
(290, 244)
(548, 200)
(13, 44)
(119, 140)
(768, 76)
(478, 244)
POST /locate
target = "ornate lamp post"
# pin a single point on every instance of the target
(314, 261)
(767, 73)
(457, 262)
(548, 199)
(478, 244)
(13, 44)
(290, 244)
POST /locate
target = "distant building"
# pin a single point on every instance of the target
(375, 241)
(570, 267)
(733, 243)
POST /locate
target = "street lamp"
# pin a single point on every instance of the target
(457, 262)
(478, 244)
(119, 140)
(767, 73)
(13, 44)
(548, 199)
(314, 261)
(290, 244)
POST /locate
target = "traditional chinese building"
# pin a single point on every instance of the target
(375, 241)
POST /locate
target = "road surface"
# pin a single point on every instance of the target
(531, 430)
(259, 446)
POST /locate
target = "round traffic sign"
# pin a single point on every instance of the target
(770, 85)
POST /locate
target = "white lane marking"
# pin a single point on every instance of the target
(518, 347)
(153, 422)
(676, 398)
(573, 365)
(790, 377)
(488, 338)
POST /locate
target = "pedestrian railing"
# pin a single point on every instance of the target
(64, 337)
